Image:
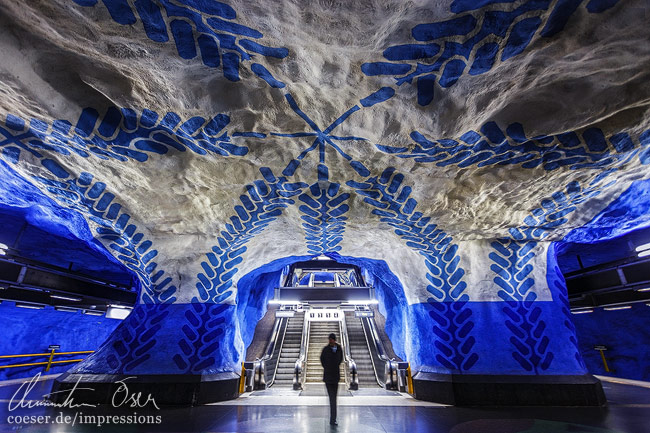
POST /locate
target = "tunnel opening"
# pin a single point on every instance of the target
(291, 305)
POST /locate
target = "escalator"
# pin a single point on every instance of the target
(318, 333)
(289, 352)
(359, 352)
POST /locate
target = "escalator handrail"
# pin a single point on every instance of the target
(351, 377)
(272, 346)
(370, 348)
(376, 347)
(299, 370)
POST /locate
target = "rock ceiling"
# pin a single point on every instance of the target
(208, 138)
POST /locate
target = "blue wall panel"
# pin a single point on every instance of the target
(32, 331)
(625, 333)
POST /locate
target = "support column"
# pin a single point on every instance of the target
(181, 354)
(517, 349)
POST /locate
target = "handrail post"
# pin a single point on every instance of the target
(49, 361)
(242, 379)
(409, 379)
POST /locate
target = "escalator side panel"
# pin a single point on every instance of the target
(290, 351)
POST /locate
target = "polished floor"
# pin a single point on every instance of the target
(366, 412)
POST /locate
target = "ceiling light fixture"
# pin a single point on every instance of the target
(642, 247)
(366, 302)
(93, 313)
(646, 289)
(67, 310)
(30, 306)
(118, 313)
(582, 311)
(65, 298)
(624, 307)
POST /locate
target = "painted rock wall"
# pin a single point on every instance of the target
(452, 141)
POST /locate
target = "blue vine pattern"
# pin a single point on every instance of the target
(119, 135)
(323, 214)
(559, 291)
(208, 25)
(491, 146)
(511, 262)
(204, 323)
(131, 344)
(124, 240)
(450, 312)
(263, 203)
(488, 35)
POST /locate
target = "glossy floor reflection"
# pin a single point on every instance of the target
(628, 412)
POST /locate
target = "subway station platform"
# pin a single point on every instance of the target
(628, 411)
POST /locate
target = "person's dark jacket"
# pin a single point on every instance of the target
(330, 360)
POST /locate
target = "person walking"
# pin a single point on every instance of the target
(331, 358)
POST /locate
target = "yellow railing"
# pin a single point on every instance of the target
(48, 363)
(409, 379)
(242, 379)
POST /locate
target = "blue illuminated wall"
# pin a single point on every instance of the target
(32, 331)
(605, 238)
(194, 338)
(43, 230)
(512, 337)
(448, 330)
(625, 333)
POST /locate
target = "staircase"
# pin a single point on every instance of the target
(290, 351)
(318, 333)
(359, 351)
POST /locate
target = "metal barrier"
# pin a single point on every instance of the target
(252, 378)
(351, 378)
(298, 369)
(403, 377)
(47, 363)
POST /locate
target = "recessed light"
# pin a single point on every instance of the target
(94, 313)
(30, 306)
(68, 310)
(642, 247)
(65, 298)
(624, 307)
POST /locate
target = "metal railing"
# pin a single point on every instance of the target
(351, 377)
(299, 370)
(51, 354)
(395, 375)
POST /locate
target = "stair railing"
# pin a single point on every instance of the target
(351, 376)
(299, 367)
(380, 362)
(263, 376)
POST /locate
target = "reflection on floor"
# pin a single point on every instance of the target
(315, 394)
(628, 412)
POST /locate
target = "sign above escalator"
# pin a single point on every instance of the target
(365, 313)
(285, 313)
(325, 315)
